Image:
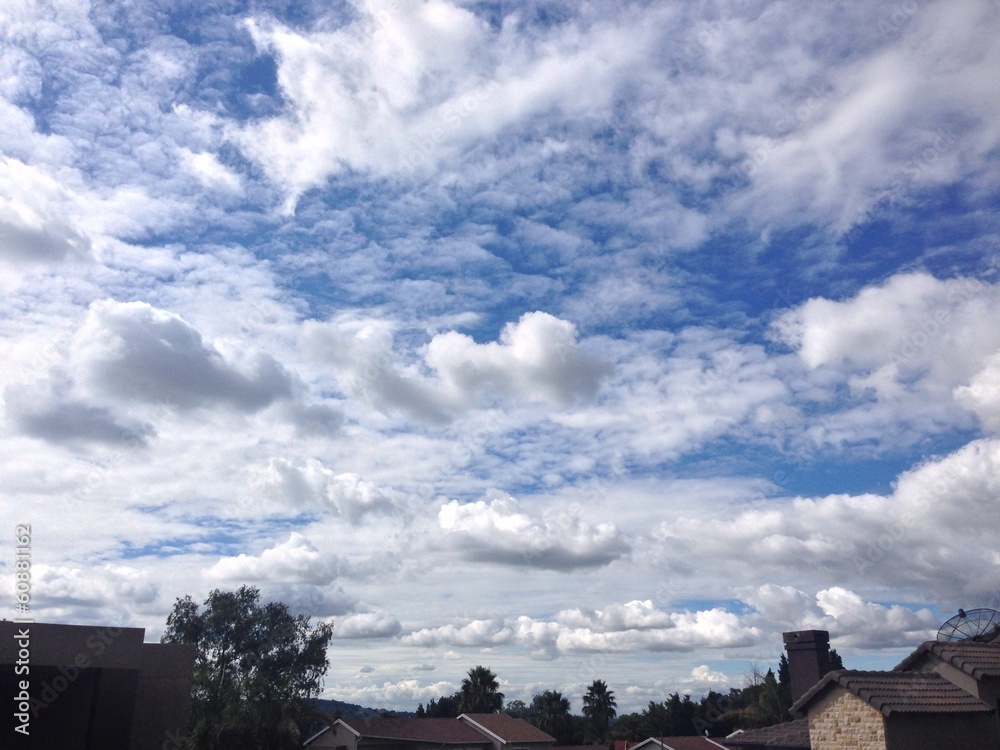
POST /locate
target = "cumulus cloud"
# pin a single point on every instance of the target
(538, 359)
(136, 351)
(36, 225)
(367, 625)
(296, 560)
(926, 535)
(573, 632)
(914, 345)
(311, 483)
(494, 530)
(49, 411)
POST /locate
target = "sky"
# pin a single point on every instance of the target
(597, 340)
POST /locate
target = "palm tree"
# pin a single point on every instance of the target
(599, 705)
(480, 692)
(550, 712)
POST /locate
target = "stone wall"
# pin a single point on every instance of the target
(841, 721)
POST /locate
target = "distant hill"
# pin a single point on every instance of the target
(353, 710)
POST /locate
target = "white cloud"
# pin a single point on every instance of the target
(136, 351)
(915, 345)
(311, 483)
(296, 560)
(494, 530)
(367, 625)
(405, 86)
(536, 360)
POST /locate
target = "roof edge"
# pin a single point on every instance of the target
(481, 728)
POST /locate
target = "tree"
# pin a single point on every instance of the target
(255, 668)
(518, 709)
(480, 692)
(550, 712)
(599, 706)
(445, 707)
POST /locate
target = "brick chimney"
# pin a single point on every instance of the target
(808, 658)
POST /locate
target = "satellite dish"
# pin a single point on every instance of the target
(971, 625)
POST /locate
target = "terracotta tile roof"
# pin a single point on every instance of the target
(977, 659)
(791, 735)
(508, 729)
(689, 742)
(443, 731)
(902, 692)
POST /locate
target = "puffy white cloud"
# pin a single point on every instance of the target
(926, 535)
(367, 625)
(982, 394)
(136, 351)
(494, 530)
(477, 633)
(915, 345)
(311, 483)
(296, 560)
(536, 360)
(36, 224)
(48, 410)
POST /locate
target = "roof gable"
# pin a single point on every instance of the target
(443, 731)
(506, 728)
(897, 692)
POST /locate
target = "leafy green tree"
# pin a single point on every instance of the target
(550, 713)
(480, 692)
(600, 707)
(445, 707)
(835, 661)
(518, 709)
(256, 667)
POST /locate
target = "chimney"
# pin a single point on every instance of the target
(808, 658)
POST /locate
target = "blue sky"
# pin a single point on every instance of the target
(581, 340)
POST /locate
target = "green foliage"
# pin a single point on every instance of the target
(256, 666)
(480, 692)
(445, 707)
(600, 707)
(517, 709)
(550, 712)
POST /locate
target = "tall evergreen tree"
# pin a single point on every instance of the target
(550, 713)
(600, 707)
(480, 692)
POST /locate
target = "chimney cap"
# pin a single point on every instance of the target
(806, 636)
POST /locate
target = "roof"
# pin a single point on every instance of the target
(977, 659)
(898, 692)
(442, 731)
(790, 735)
(693, 742)
(507, 728)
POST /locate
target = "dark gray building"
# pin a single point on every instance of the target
(92, 688)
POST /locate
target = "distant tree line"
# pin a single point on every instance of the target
(258, 666)
(763, 700)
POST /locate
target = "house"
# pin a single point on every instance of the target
(467, 732)
(790, 735)
(508, 733)
(693, 742)
(943, 695)
(896, 710)
(91, 686)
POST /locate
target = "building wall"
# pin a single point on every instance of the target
(339, 736)
(841, 720)
(941, 732)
